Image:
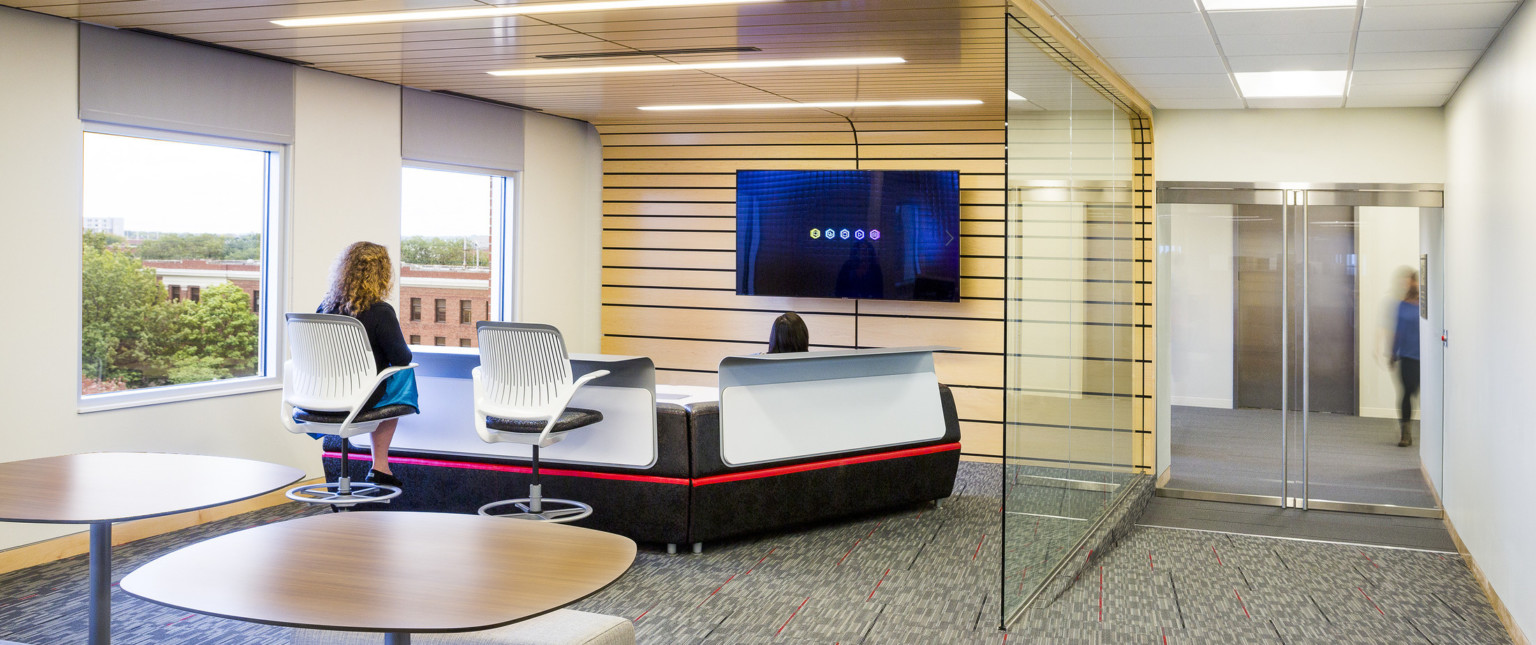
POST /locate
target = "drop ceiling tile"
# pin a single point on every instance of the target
(1147, 82)
(1112, 7)
(1392, 77)
(1169, 65)
(1424, 40)
(1159, 93)
(1403, 89)
(1198, 104)
(1412, 100)
(1463, 58)
(1288, 62)
(1307, 21)
(1145, 46)
(1459, 16)
(1271, 45)
(1126, 26)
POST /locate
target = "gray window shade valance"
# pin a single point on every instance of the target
(142, 80)
(439, 128)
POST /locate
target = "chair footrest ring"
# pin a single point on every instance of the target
(330, 493)
(552, 510)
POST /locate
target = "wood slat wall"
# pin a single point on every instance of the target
(669, 251)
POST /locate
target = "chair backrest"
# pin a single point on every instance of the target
(332, 363)
(523, 366)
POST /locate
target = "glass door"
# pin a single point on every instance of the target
(1364, 323)
(1227, 284)
(1295, 328)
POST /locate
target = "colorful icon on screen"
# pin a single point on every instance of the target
(843, 234)
(815, 233)
(874, 234)
(858, 234)
(831, 234)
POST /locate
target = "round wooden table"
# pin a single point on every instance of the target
(105, 487)
(393, 572)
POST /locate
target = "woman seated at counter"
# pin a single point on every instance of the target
(789, 334)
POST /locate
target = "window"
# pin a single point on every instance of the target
(464, 342)
(194, 209)
(415, 339)
(415, 309)
(440, 341)
(451, 235)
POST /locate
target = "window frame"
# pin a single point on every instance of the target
(274, 262)
(506, 229)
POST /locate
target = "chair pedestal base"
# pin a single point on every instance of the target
(343, 493)
(549, 509)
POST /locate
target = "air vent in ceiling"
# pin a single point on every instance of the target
(651, 52)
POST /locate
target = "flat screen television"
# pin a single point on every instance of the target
(876, 234)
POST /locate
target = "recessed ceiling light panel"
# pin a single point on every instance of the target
(496, 12)
(673, 67)
(1014, 96)
(1263, 5)
(819, 104)
(1259, 85)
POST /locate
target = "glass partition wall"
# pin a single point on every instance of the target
(1071, 236)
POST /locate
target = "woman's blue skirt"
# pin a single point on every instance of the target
(399, 389)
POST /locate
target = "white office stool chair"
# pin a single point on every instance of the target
(522, 389)
(325, 385)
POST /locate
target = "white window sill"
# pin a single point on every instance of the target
(176, 393)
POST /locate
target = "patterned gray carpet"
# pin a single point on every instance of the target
(918, 576)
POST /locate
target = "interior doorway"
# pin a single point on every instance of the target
(1293, 316)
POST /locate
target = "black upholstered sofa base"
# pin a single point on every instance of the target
(646, 509)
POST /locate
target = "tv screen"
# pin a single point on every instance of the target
(878, 234)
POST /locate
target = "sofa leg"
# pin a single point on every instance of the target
(698, 547)
(671, 549)
(938, 503)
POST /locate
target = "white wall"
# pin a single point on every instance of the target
(346, 176)
(1199, 291)
(1386, 241)
(345, 187)
(560, 244)
(1397, 145)
(1490, 363)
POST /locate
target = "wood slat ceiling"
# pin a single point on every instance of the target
(954, 49)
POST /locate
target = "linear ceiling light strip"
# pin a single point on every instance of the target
(820, 104)
(673, 67)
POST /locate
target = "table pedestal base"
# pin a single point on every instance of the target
(101, 584)
(397, 638)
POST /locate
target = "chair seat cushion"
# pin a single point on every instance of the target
(372, 414)
(570, 419)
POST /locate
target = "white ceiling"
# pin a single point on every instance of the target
(1399, 53)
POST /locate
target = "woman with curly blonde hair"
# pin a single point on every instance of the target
(360, 282)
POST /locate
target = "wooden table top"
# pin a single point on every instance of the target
(119, 486)
(387, 571)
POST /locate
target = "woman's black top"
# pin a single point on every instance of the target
(384, 338)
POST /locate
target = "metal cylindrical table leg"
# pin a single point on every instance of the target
(101, 584)
(397, 638)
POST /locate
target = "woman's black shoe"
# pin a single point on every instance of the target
(384, 479)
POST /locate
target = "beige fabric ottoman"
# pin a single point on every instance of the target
(559, 627)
